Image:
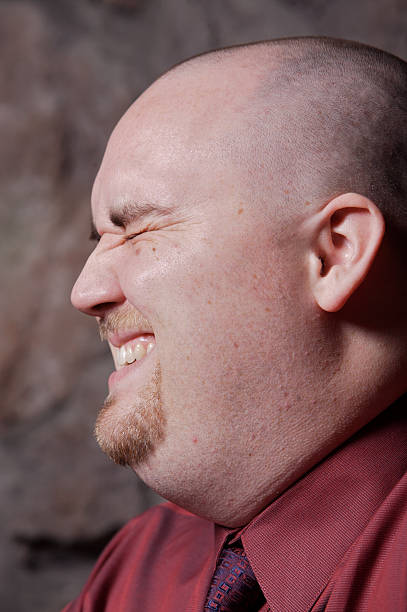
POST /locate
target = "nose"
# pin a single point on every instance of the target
(97, 288)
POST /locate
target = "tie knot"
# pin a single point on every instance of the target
(234, 585)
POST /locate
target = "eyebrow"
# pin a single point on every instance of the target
(130, 213)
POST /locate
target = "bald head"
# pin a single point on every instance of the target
(320, 116)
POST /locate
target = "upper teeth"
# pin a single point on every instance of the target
(134, 351)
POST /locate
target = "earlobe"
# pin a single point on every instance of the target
(346, 235)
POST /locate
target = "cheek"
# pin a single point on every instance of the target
(143, 274)
(209, 301)
(161, 276)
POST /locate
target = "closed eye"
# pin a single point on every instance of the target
(136, 234)
(131, 236)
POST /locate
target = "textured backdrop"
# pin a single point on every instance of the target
(68, 70)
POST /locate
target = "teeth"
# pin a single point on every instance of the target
(122, 355)
(130, 352)
(140, 351)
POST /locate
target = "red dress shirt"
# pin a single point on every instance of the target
(335, 541)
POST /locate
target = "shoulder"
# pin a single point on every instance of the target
(167, 513)
(156, 529)
(374, 569)
(142, 553)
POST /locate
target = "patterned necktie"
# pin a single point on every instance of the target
(234, 585)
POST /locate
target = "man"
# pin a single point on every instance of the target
(249, 277)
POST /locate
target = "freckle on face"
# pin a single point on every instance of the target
(239, 212)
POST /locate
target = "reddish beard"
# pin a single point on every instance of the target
(129, 433)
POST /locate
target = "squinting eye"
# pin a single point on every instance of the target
(131, 236)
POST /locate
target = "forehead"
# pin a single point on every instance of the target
(173, 140)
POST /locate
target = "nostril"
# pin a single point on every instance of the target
(105, 306)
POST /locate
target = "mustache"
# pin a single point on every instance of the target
(119, 320)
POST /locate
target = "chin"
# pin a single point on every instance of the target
(129, 430)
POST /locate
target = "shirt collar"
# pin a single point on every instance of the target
(296, 543)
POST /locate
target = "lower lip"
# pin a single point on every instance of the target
(116, 376)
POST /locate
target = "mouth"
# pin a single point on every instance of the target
(129, 353)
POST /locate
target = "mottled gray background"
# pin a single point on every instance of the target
(68, 70)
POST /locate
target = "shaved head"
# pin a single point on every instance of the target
(324, 116)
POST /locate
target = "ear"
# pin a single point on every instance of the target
(346, 235)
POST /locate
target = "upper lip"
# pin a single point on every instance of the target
(121, 337)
